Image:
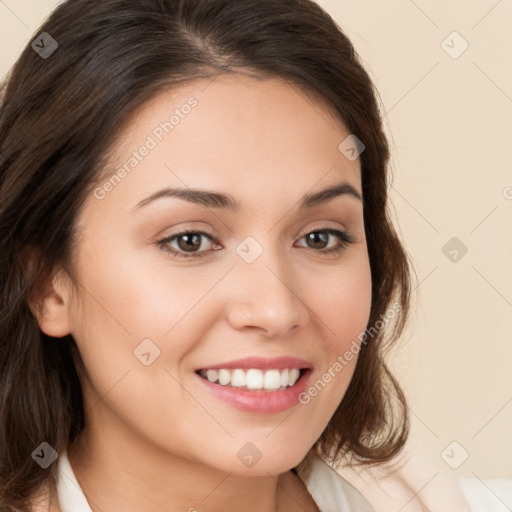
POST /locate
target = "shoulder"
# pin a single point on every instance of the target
(408, 481)
(417, 482)
(488, 495)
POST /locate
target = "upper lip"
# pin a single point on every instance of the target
(279, 363)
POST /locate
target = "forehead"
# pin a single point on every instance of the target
(232, 133)
(250, 97)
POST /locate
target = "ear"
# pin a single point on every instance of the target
(50, 304)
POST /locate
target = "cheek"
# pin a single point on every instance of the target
(344, 303)
(127, 300)
(137, 296)
(343, 307)
(129, 309)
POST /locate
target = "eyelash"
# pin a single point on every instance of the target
(345, 238)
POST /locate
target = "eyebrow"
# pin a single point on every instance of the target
(225, 201)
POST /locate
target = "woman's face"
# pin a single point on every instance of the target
(261, 295)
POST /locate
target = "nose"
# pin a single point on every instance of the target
(266, 298)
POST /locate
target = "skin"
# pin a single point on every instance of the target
(155, 439)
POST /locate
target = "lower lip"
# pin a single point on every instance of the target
(259, 400)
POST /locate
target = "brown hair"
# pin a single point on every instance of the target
(59, 116)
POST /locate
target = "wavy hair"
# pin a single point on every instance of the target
(58, 119)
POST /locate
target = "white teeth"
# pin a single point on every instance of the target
(272, 379)
(294, 375)
(212, 375)
(238, 379)
(224, 377)
(253, 378)
(284, 377)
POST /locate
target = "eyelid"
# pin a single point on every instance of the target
(345, 239)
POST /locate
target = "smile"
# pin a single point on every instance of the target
(257, 384)
(253, 378)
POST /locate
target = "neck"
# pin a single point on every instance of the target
(143, 477)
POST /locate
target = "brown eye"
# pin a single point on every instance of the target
(319, 240)
(187, 242)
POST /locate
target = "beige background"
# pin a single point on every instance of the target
(451, 125)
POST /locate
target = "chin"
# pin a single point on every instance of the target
(260, 460)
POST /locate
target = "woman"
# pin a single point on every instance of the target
(199, 273)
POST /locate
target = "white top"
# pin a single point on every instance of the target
(71, 496)
(487, 495)
(330, 491)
